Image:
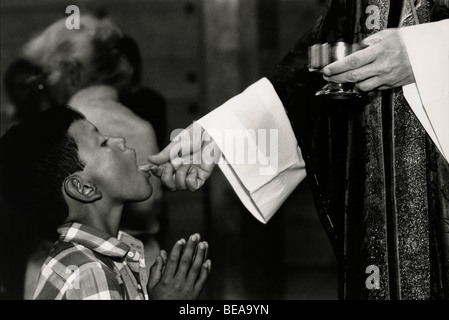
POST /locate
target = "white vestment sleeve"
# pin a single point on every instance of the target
(428, 50)
(260, 155)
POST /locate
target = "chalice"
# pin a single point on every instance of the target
(322, 54)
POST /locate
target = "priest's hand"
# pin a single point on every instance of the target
(384, 64)
(188, 161)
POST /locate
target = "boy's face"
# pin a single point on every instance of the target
(109, 164)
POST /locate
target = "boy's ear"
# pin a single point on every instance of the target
(77, 188)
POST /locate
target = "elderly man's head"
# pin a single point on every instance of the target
(73, 59)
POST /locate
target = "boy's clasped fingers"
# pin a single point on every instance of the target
(203, 277)
(194, 267)
(187, 256)
(164, 256)
(173, 259)
(197, 263)
(183, 273)
(156, 271)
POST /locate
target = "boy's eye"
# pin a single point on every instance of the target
(104, 143)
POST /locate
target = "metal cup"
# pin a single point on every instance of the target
(320, 55)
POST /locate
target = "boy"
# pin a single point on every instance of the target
(79, 180)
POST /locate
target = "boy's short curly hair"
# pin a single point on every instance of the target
(37, 155)
(35, 158)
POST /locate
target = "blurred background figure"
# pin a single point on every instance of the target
(142, 100)
(26, 90)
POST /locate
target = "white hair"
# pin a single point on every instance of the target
(56, 47)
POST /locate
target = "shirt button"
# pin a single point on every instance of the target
(130, 254)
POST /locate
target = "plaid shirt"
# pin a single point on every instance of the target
(87, 263)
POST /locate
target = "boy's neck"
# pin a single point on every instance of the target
(95, 215)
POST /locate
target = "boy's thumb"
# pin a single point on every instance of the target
(156, 272)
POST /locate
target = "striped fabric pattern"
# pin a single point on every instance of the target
(89, 264)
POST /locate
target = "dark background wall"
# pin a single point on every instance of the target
(198, 54)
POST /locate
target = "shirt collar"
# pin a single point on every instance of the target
(94, 239)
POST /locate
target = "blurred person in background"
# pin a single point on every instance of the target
(24, 84)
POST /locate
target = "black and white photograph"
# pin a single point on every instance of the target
(226, 154)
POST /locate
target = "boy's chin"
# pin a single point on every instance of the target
(147, 194)
(141, 196)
